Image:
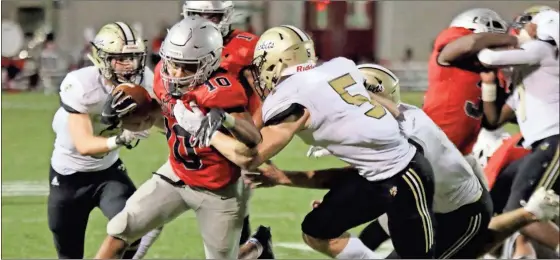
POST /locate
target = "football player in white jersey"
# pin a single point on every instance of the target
(535, 105)
(462, 205)
(86, 171)
(329, 106)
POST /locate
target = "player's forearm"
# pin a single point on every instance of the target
(245, 131)
(81, 133)
(93, 145)
(388, 104)
(508, 57)
(495, 117)
(319, 179)
(235, 151)
(472, 44)
(545, 233)
(504, 225)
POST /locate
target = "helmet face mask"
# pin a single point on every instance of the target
(190, 53)
(184, 75)
(218, 12)
(119, 54)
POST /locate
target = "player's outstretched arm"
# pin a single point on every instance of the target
(532, 53)
(270, 175)
(276, 137)
(81, 132)
(495, 116)
(472, 44)
(388, 104)
(543, 205)
(235, 151)
(241, 126)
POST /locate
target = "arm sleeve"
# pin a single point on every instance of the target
(531, 53)
(72, 95)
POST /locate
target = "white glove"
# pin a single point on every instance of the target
(126, 138)
(317, 151)
(188, 120)
(545, 205)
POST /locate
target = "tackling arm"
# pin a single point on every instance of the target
(241, 126)
(318, 179)
(81, 132)
(531, 54)
(275, 138)
(494, 116)
(472, 44)
(388, 104)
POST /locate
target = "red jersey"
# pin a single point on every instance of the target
(200, 167)
(510, 150)
(238, 51)
(452, 100)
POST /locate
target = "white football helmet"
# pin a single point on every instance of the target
(487, 143)
(382, 81)
(480, 20)
(207, 9)
(118, 42)
(194, 45)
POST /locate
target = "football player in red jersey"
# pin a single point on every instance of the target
(239, 46)
(197, 178)
(452, 99)
(237, 56)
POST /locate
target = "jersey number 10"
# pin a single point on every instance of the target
(345, 81)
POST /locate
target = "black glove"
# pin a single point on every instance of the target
(117, 106)
(209, 125)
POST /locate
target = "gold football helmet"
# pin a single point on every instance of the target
(528, 15)
(120, 53)
(281, 51)
(381, 81)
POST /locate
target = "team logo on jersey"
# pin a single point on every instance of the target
(393, 191)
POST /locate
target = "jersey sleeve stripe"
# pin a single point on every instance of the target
(69, 109)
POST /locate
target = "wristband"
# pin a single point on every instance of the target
(112, 143)
(488, 92)
(229, 121)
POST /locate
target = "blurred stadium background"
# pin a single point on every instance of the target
(55, 39)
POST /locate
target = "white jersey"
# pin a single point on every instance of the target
(456, 184)
(343, 118)
(83, 91)
(535, 99)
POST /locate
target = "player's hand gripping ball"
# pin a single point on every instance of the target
(134, 106)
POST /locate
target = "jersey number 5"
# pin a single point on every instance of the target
(181, 137)
(345, 81)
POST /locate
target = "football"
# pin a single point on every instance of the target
(140, 118)
(140, 96)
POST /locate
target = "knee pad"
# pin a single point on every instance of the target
(117, 227)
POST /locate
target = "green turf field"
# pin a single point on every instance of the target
(27, 141)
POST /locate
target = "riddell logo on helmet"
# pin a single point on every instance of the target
(301, 68)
